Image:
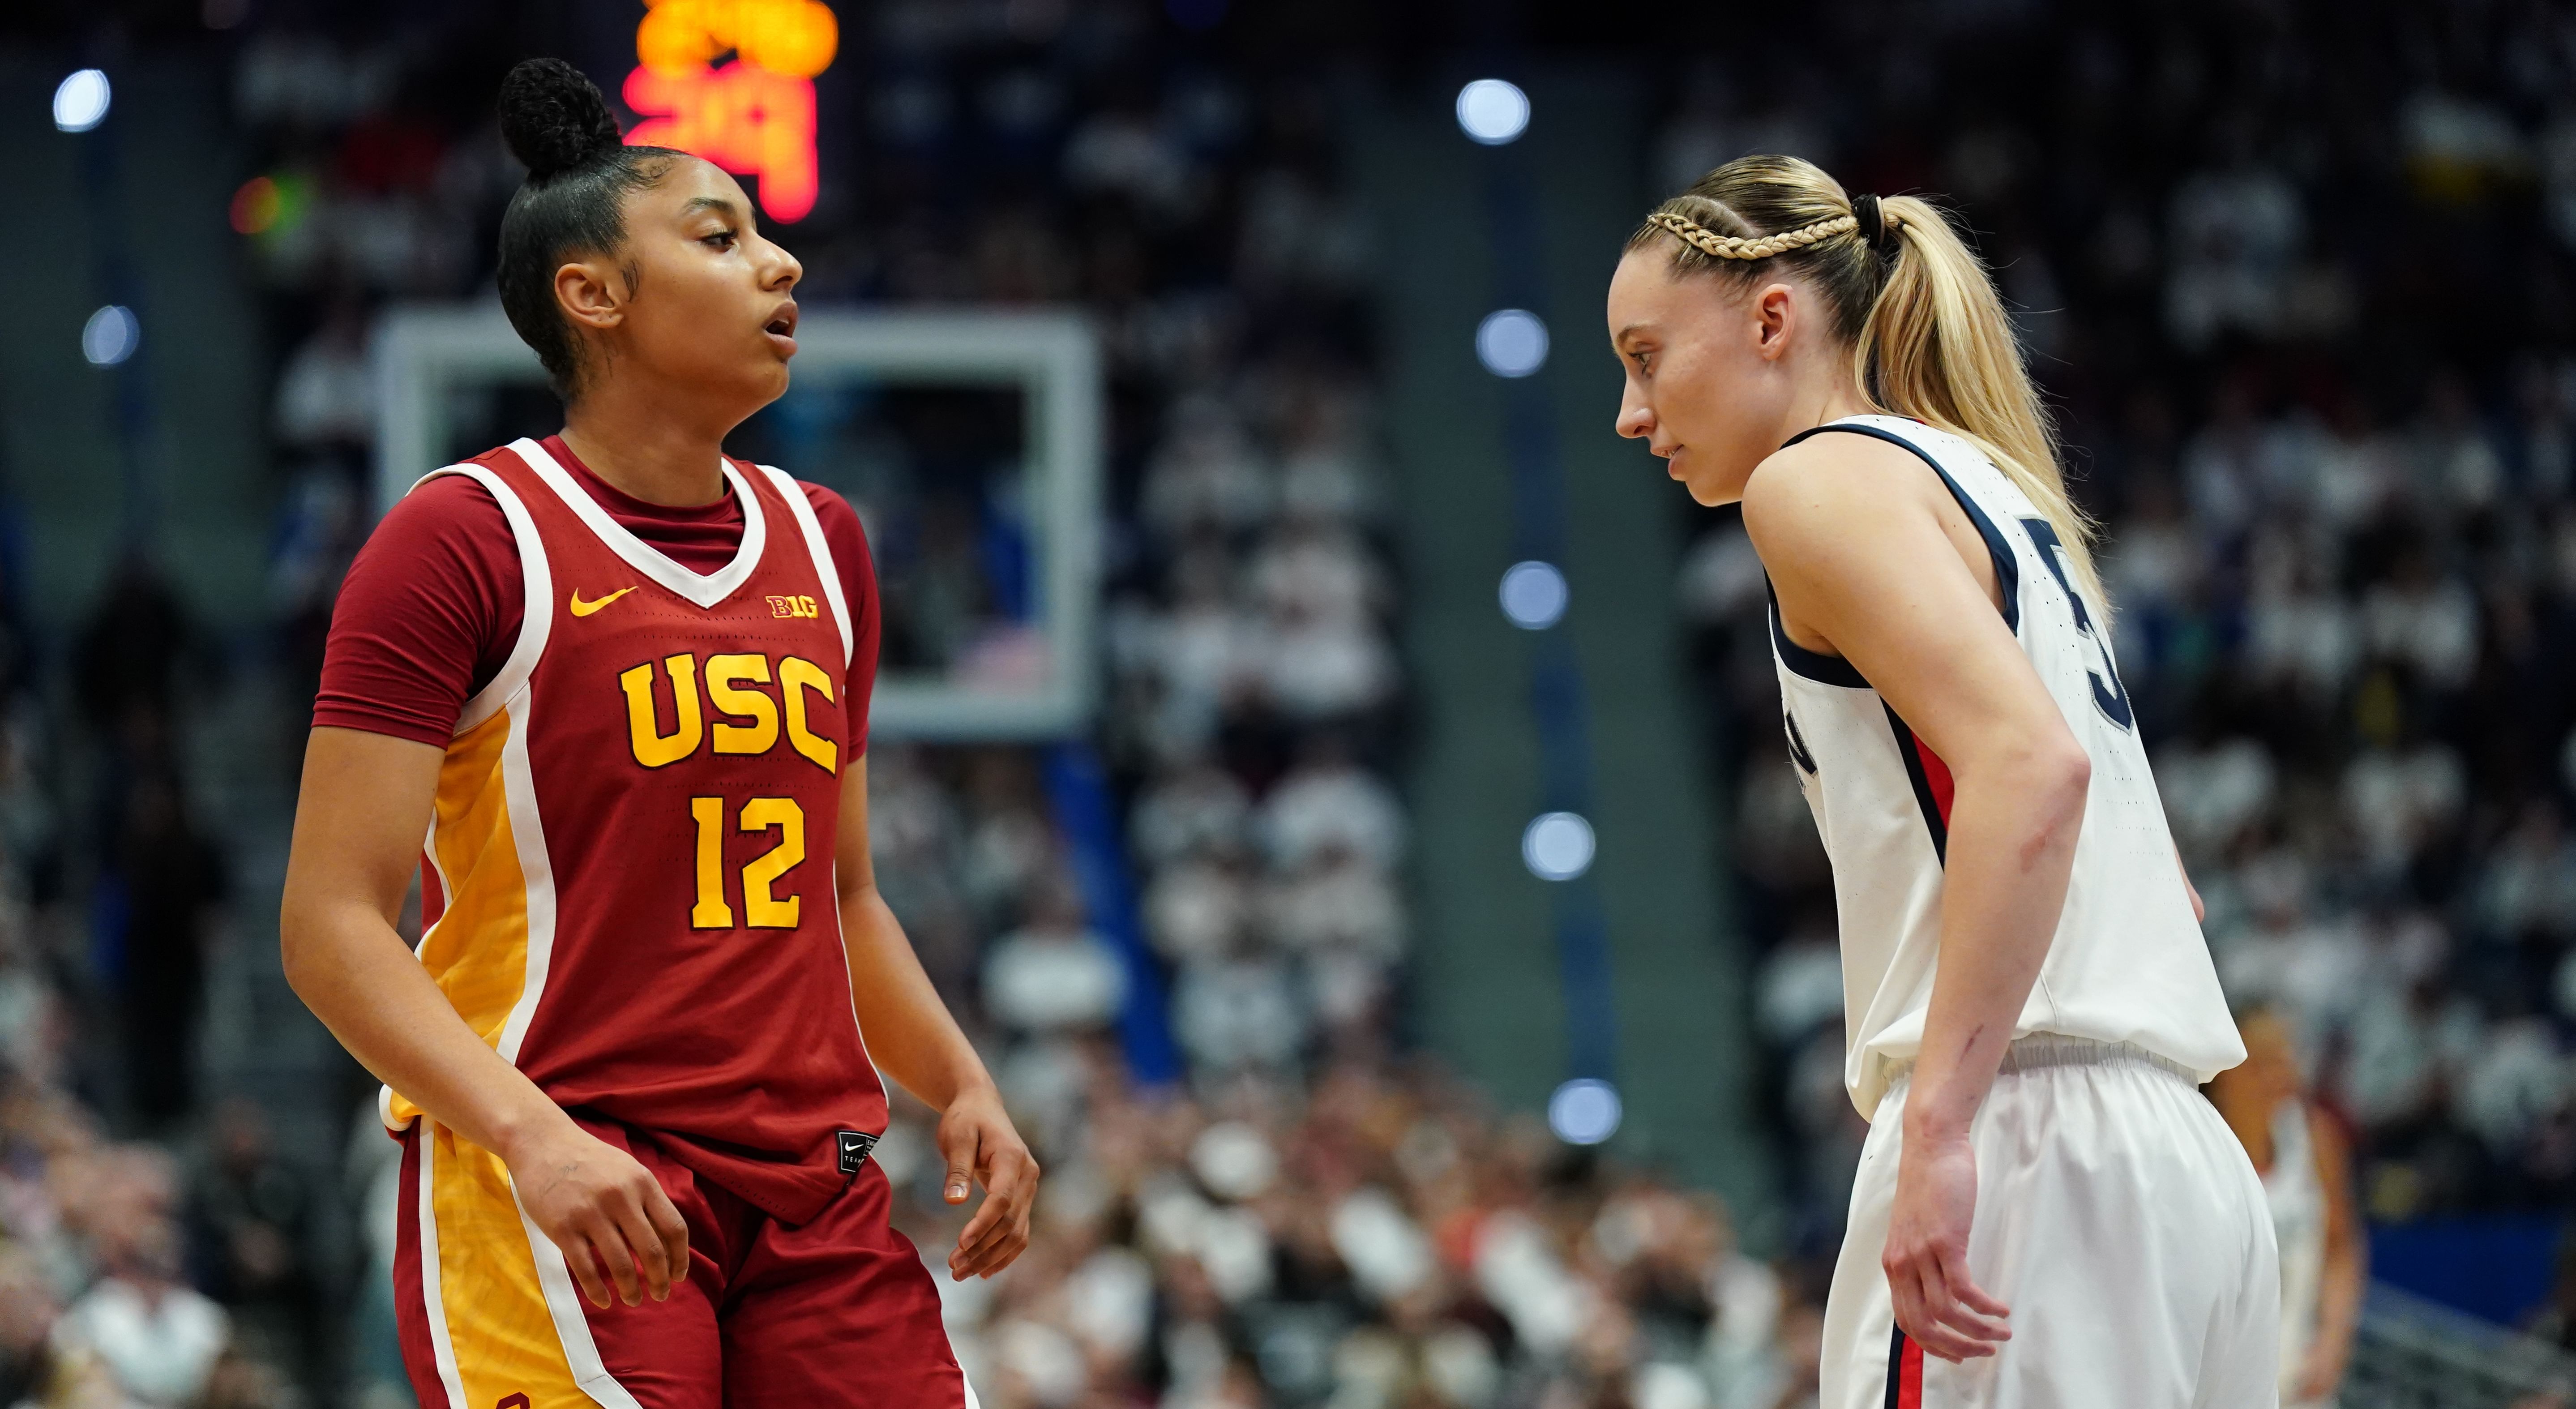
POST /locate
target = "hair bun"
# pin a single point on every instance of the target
(553, 117)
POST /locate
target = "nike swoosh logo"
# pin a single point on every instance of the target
(582, 608)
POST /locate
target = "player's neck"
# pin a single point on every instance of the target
(1819, 390)
(1830, 399)
(645, 452)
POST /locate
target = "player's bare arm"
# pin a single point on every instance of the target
(2345, 1278)
(1853, 532)
(364, 807)
(916, 1041)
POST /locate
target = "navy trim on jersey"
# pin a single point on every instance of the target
(2007, 567)
(1815, 665)
(1896, 1369)
(1912, 753)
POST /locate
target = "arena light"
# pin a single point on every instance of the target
(753, 116)
(1584, 1111)
(1492, 111)
(256, 205)
(1557, 846)
(1534, 595)
(110, 336)
(80, 101)
(743, 118)
(792, 38)
(1511, 342)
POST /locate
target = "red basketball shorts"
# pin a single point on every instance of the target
(836, 1311)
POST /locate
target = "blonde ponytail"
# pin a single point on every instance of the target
(1939, 347)
(1928, 333)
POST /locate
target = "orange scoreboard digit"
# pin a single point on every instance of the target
(753, 116)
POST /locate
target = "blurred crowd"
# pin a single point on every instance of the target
(2300, 292)
(155, 1249)
(2299, 288)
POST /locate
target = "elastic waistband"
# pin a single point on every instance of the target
(2042, 1050)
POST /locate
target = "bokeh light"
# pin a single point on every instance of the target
(1584, 1111)
(110, 336)
(1557, 846)
(256, 206)
(1511, 342)
(1492, 111)
(1534, 595)
(793, 38)
(80, 101)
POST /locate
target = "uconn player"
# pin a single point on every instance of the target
(2046, 1213)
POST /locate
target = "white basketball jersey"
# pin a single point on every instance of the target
(2128, 963)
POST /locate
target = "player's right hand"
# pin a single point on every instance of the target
(1938, 1306)
(605, 1211)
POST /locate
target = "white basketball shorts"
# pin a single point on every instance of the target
(2119, 1220)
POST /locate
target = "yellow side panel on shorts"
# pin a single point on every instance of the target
(497, 1320)
(478, 950)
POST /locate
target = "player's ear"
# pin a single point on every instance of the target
(1775, 312)
(592, 293)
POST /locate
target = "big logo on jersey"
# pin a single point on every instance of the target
(749, 721)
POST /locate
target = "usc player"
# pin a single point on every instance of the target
(619, 683)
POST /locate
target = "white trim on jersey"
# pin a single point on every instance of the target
(702, 590)
(536, 621)
(508, 687)
(841, 936)
(446, 889)
(509, 690)
(536, 870)
(572, 1326)
(802, 510)
(441, 1348)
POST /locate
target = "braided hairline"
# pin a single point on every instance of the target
(1711, 243)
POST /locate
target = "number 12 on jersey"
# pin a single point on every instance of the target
(760, 909)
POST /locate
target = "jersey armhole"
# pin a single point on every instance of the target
(1813, 665)
(2007, 566)
(802, 509)
(538, 582)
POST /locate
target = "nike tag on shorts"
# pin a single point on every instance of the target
(855, 1145)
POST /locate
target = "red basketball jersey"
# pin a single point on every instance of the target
(628, 883)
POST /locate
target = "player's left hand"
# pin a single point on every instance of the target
(976, 1138)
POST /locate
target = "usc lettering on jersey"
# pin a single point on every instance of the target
(628, 886)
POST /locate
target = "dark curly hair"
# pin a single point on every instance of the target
(579, 174)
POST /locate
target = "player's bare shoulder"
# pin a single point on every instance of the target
(1826, 485)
